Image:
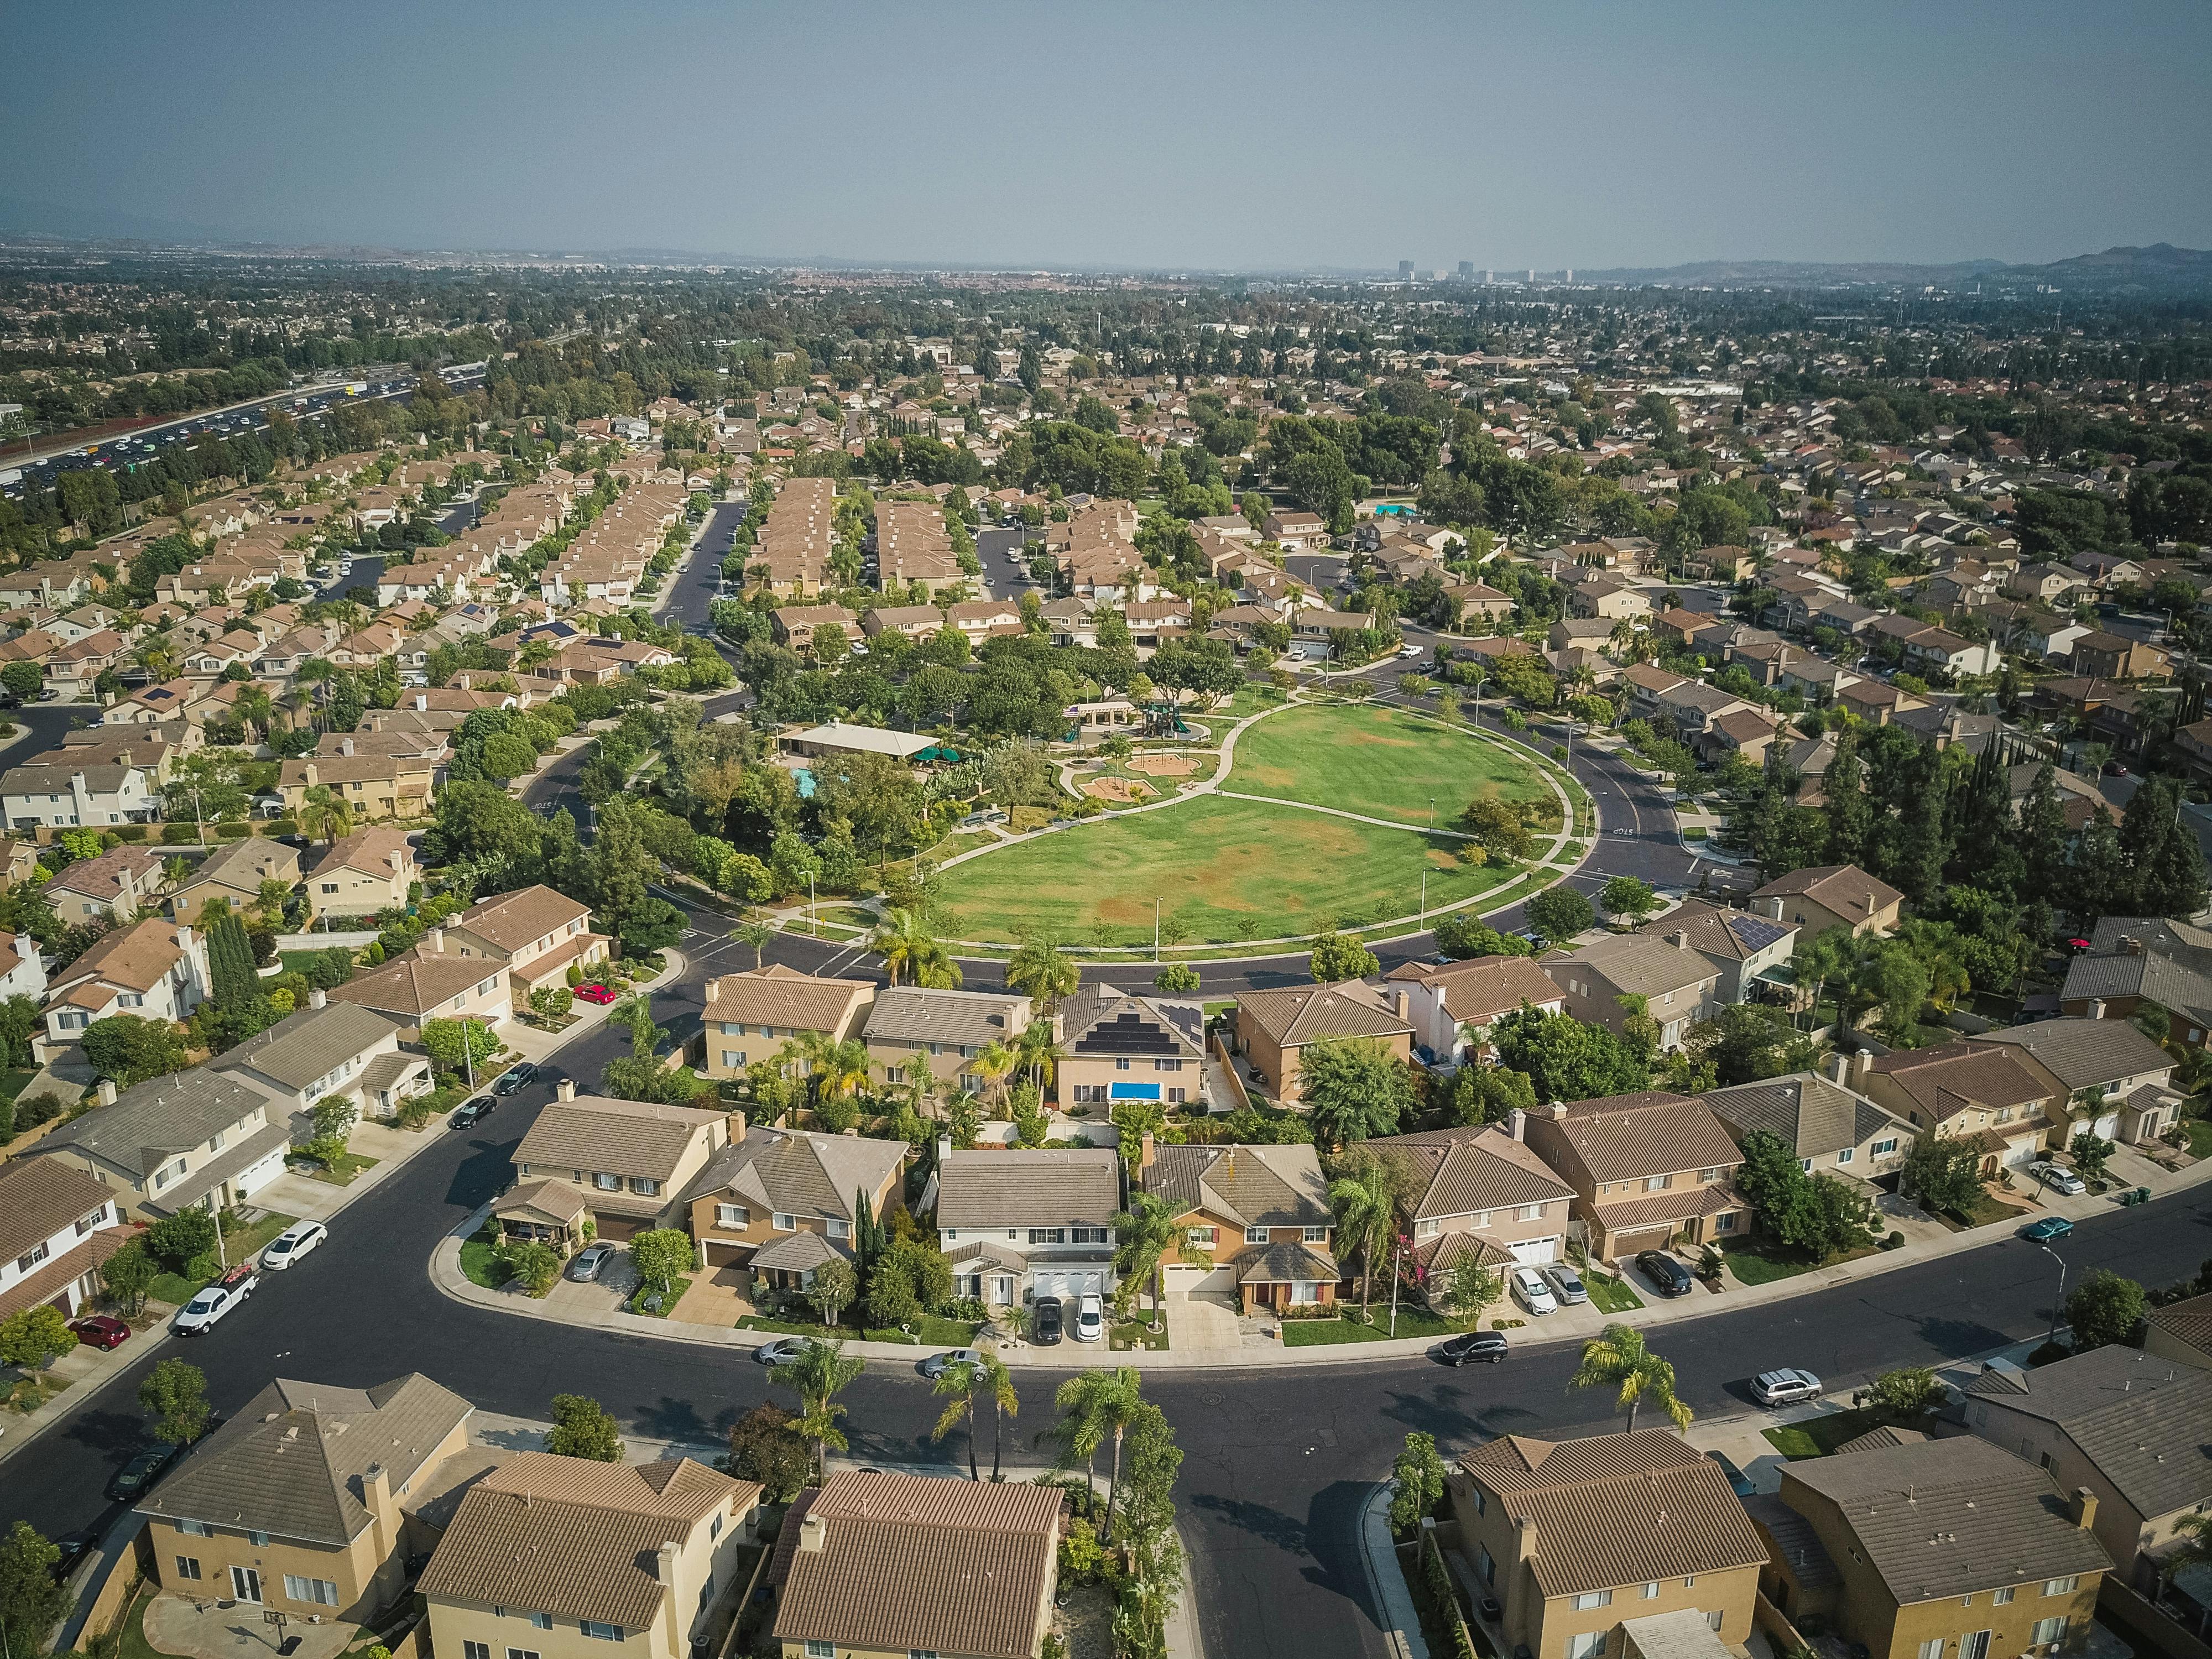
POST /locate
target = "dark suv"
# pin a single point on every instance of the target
(1044, 1321)
(1668, 1276)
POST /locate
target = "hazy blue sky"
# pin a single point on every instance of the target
(1217, 135)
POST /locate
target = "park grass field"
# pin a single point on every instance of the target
(1380, 761)
(1229, 871)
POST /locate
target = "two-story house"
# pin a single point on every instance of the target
(188, 1139)
(155, 970)
(1274, 1026)
(1043, 1219)
(1827, 895)
(778, 1203)
(1947, 1547)
(297, 1504)
(1452, 1005)
(230, 878)
(2109, 1071)
(56, 1225)
(115, 885)
(1478, 1190)
(1833, 1130)
(430, 982)
(1125, 1045)
(1584, 1541)
(1968, 1090)
(361, 873)
(630, 1162)
(1747, 948)
(535, 933)
(908, 1026)
(59, 792)
(749, 1017)
(1259, 1214)
(569, 1559)
(2129, 1425)
(1678, 983)
(375, 786)
(1647, 1169)
(328, 1048)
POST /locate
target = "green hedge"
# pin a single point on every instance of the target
(281, 827)
(128, 832)
(233, 831)
(179, 835)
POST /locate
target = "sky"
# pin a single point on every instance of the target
(1203, 135)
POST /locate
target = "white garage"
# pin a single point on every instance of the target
(1537, 1252)
(1066, 1285)
(1218, 1283)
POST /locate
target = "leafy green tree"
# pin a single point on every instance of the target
(765, 1446)
(456, 1045)
(1465, 1288)
(1625, 897)
(1496, 828)
(233, 981)
(582, 1428)
(1560, 913)
(1353, 1089)
(35, 1337)
(32, 1601)
(912, 953)
(1177, 979)
(1564, 1058)
(2103, 1308)
(1336, 956)
(1942, 1172)
(23, 680)
(1616, 1358)
(2090, 1153)
(1146, 1234)
(1909, 1392)
(127, 1276)
(661, 1255)
(1464, 936)
(833, 1289)
(1747, 1042)
(173, 1396)
(177, 1240)
(130, 1049)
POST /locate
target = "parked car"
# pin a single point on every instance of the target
(101, 1331)
(2059, 1178)
(937, 1364)
(68, 1553)
(1044, 1321)
(1530, 1291)
(1089, 1319)
(1476, 1347)
(1739, 1483)
(295, 1241)
(2050, 1227)
(781, 1352)
(595, 993)
(1567, 1285)
(515, 1080)
(1784, 1387)
(132, 1480)
(588, 1263)
(1667, 1276)
(469, 1111)
(214, 1301)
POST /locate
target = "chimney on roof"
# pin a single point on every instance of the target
(1516, 1124)
(435, 941)
(1680, 938)
(345, 747)
(1774, 908)
(943, 1149)
(565, 1089)
(1401, 1003)
(1861, 1063)
(814, 1534)
(1559, 1111)
(2096, 1007)
(737, 1120)
(2132, 945)
(422, 701)
(1147, 1151)
(108, 1091)
(2082, 1508)
(1840, 1067)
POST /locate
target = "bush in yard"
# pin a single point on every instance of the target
(765, 1447)
(582, 1428)
(35, 1337)
(126, 1277)
(661, 1255)
(535, 1265)
(1943, 1172)
(2104, 1308)
(1907, 1392)
(175, 1240)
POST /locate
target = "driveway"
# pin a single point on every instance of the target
(606, 1294)
(1200, 1322)
(720, 1297)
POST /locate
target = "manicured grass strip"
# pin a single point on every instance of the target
(1763, 1263)
(483, 1265)
(933, 1333)
(1610, 1295)
(1322, 1333)
(1379, 761)
(644, 1294)
(342, 1173)
(1816, 1437)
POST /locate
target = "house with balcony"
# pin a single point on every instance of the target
(912, 1026)
(536, 933)
(56, 790)
(1274, 1027)
(1041, 1219)
(155, 970)
(1127, 1045)
(1984, 1093)
(1647, 1169)
(2117, 1080)
(429, 982)
(58, 1223)
(775, 1204)
(1452, 1005)
(749, 1017)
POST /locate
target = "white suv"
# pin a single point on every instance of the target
(1785, 1387)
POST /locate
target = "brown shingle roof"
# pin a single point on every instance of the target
(1311, 1013)
(39, 1197)
(417, 986)
(136, 957)
(1943, 1080)
(916, 1562)
(568, 1535)
(1042, 1186)
(1843, 888)
(1618, 1508)
(1250, 1186)
(792, 1173)
(512, 921)
(1482, 987)
(779, 996)
(612, 1137)
(2188, 1321)
(1628, 1137)
(1451, 1172)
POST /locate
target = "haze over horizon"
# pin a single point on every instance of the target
(1286, 136)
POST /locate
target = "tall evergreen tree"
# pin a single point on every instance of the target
(2096, 878)
(2042, 835)
(1850, 813)
(230, 964)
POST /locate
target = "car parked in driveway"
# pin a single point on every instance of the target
(1668, 1276)
(1089, 1319)
(214, 1301)
(1475, 1348)
(1566, 1285)
(595, 993)
(1784, 1387)
(1044, 1321)
(937, 1364)
(1530, 1291)
(2043, 1231)
(299, 1239)
(101, 1331)
(2058, 1177)
(590, 1261)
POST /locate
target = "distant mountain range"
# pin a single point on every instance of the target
(2159, 266)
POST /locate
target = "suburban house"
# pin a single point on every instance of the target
(295, 1504)
(1832, 1129)
(2132, 960)
(1274, 1026)
(2126, 1425)
(114, 885)
(1127, 1045)
(230, 878)
(1831, 896)
(909, 1026)
(1297, 531)
(2017, 1570)
(428, 982)
(535, 933)
(155, 970)
(1748, 948)
(570, 1559)
(1981, 1092)
(2104, 1064)
(778, 1203)
(2181, 1330)
(186, 1140)
(375, 786)
(1585, 1542)
(56, 1225)
(1646, 1169)
(1040, 1220)
(328, 1048)
(1679, 983)
(1453, 1004)
(748, 1017)
(889, 1566)
(59, 792)
(1480, 1191)
(630, 1161)
(365, 871)
(1260, 1214)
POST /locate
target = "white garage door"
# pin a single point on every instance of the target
(1215, 1282)
(2019, 1153)
(1535, 1252)
(2107, 1127)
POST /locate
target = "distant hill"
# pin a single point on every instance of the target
(21, 218)
(2161, 265)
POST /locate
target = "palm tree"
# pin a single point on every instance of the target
(1092, 1406)
(1365, 1200)
(754, 933)
(1143, 1234)
(325, 814)
(1618, 1358)
(999, 1382)
(993, 1063)
(834, 1068)
(921, 1086)
(819, 1375)
(1042, 970)
(959, 1384)
(908, 948)
(1037, 1052)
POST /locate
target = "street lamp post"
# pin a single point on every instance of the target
(2051, 1339)
(1156, 928)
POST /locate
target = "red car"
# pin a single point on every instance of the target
(598, 993)
(101, 1331)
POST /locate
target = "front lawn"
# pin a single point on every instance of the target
(933, 1332)
(342, 1173)
(12, 1083)
(482, 1264)
(1379, 761)
(1761, 1261)
(643, 1303)
(1126, 1334)
(2200, 1137)
(1984, 1210)
(1816, 1437)
(1412, 1321)
(1610, 1295)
